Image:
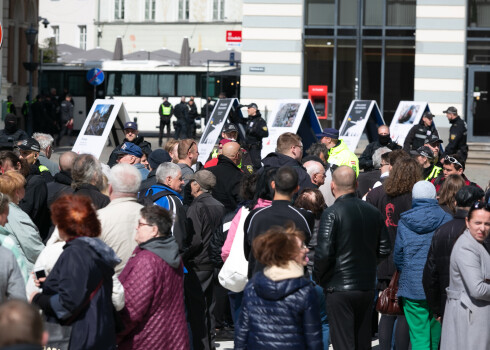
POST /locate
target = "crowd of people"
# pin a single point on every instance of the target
(155, 250)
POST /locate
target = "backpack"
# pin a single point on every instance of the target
(151, 198)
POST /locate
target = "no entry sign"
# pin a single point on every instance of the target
(95, 76)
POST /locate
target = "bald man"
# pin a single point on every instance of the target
(352, 238)
(384, 140)
(62, 180)
(228, 176)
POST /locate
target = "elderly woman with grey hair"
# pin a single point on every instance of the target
(88, 179)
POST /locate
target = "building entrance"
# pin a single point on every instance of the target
(478, 113)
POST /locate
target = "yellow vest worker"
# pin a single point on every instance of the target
(338, 152)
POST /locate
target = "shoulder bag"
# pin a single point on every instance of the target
(388, 303)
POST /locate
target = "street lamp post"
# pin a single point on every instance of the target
(31, 35)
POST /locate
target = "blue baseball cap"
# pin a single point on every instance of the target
(131, 125)
(329, 132)
(130, 148)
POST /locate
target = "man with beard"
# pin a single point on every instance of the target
(131, 133)
(384, 140)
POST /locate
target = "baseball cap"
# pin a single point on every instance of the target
(451, 110)
(205, 179)
(130, 148)
(29, 144)
(253, 105)
(230, 128)
(329, 132)
(131, 125)
(432, 138)
(428, 115)
(423, 151)
(158, 157)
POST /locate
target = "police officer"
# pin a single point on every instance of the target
(425, 157)
(418, 133)
(10, 106)
(166, 110)
(66, 110)
(256, 130)
(181, 112)
(457, 134)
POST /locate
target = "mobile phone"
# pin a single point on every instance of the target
(40, 274)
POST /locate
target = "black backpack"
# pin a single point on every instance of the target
(151, 198)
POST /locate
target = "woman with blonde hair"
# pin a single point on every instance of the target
(171, 147)
(20, 226)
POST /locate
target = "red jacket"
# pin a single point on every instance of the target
(154, 314)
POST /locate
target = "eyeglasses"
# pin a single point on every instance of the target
(190, 147)
(453, 160)
(299, 146)
(143, 224)
(384, 164)
(479, 205)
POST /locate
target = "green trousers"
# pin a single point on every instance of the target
(425, 330)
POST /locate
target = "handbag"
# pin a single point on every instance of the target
(388, 303)
(233, 274)
(60, 334)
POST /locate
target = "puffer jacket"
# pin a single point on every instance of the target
(436, 270)
(279, 315)
(415, 230)
(352, 239)
(154, 313)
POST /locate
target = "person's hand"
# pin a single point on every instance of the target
(38, 282)
(438, 319)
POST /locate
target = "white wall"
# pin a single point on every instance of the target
(68, 15)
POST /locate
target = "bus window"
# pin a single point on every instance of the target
(128, 84)
(113, 84)
(149, 85)
(76, 84)
(186, 85)
(166, 85)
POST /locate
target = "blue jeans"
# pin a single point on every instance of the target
(323, 316)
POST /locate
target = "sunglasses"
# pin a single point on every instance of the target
(190, 147)
(479, 205)
(453, 160)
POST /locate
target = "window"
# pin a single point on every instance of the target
(184, 10)
(56, 34)
(150, 10)
(166, 85)
(219, 10)
(186, 85)
(320, 12)
(83, 37)
(118, 9)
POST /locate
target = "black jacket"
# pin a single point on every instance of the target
(277, 160)
(457, 138)
(35, 201)
(366, 158)
(205, 213)
(150, 180)
(279, 213)
(352, 239)
(256, 129)
(436, 270)
(218, 240)
(99, 199)
(391, 208)
(228, 177)
(138, 141)
(417, 135)
(61, 185)
(366, 181)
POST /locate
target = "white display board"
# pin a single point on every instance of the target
(98, 125)
(355, 120)
(408, 114)
(289, 116)
(216, 122)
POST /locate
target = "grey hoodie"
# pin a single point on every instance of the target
(166, 248)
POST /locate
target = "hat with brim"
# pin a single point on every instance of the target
(131, 125)
(423, 151)
(205, 179)
(131, 149)
(432, 139)
(29, 144)
(329, 132)
(451, 110)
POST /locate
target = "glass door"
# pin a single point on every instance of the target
(478, 103)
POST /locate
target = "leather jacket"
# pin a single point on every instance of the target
(352, 240)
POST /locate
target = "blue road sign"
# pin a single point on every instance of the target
(95, 76)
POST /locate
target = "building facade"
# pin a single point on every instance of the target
(385, 50)
(143, 25)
